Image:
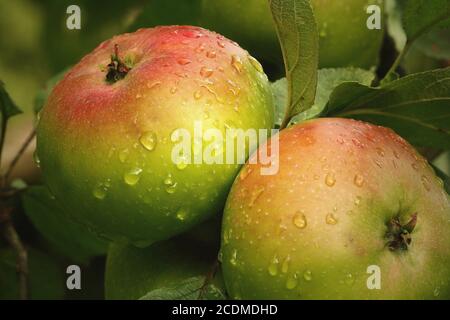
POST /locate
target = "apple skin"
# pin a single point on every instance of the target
(344, 38)
(132, 272)
(105, 149)
(311, 230)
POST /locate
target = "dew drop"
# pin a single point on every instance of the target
(181, 214)
(236, 63)
(292, 281)
(380, 152)
(299, 220)
(255, 195)
(211, 54)
(183, 61)
(255, 63)
(197, 94)
(285, 265)
(123, 155)
(349, 279)
(182, 163)
(100, 191)
(273, 266)
(206, 72)
(36, 159)
(437, 291)
(170, 184)
(148, 140)
(426, 183)
(244, 173)
(357, 201)
(173, 90)
(233, 259)
(221, 44)
(331, 219)
(396, 154)
(307, 275)
(132, 177)
(359, 180)
(153, 84)
(330, 180)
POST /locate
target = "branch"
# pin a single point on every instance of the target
(14, 241)
(17, 157)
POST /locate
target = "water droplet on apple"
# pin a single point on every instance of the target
(380, 152)
(100, 191)
(255, 195)
(123, 155)
(357, 201)
(330, 180)
(236, 63)
(396, 154)
(437, 291)
(197, 94)
(349, 279)
(285, 264)
(245, 172)
(132, 177)
(183, 61)
(211, 54)
(221, 44)
(273, 266)
(415, 166)
(182, 163)
(148, 140)
(181, 214)
(426, 183)
(170, 184)
(153, 84)
(299, 220)
(206, 72)
(173, 90)
(359, 180)
(331, 219)
(292, 281)
(255, 63)
(307, 275)
(233, 259)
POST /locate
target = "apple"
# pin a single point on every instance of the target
(344, 39)
(133, 272)
(354, 212)
(106, 134)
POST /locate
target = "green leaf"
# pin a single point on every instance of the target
(417, 106)
(297, 32)
(68, 238)
(394, 23)
(419, 16)
(435, 44)
(280, 93)
(190, 289)
(46, 279)
(42, 95)
(7, 106)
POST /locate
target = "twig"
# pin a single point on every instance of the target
(14, 241)
(18, 155)
(209, 277)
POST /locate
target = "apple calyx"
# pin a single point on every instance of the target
(116, 69)
(398, 235)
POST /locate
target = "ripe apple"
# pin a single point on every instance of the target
(133, 272)
(344, 39)
(349, 198)
(105, 136)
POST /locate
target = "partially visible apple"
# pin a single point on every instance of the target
(349, 198)
(345, 39)
(133, 272)
(106, 135)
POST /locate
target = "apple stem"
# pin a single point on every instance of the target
(117, 69)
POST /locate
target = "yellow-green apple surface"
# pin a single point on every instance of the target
(345, 39)
(133, 272)
(354, 212)
(107, 133)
